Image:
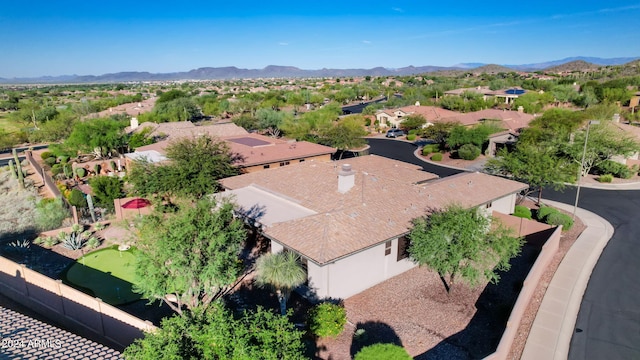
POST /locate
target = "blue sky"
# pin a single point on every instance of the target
(86, 37)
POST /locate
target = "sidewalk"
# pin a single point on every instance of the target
(553, 327)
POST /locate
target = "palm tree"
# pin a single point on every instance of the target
(281, 271)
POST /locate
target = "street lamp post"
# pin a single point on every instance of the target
(580, 170)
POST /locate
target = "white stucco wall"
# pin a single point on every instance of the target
(356, 273)
(504, 205)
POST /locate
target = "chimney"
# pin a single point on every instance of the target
(520, 109)
(417, 103)
(346, 178)
(616, 118)
(134, 123)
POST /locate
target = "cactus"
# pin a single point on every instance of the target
(91, 210)
(68, 172)
(19, 168)
(97, 169)
(114, 167)
(81, 172)
(93, 242)
(50, 242)
(13, 169)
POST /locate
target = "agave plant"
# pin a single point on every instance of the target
(50, 241)
(99, 226)
(73, 241)
(19, 245)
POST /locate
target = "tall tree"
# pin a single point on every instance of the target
(190, 258)
(195, 165)
(462, 243)
(283, 272)
(537, 165)
(348, 133)
(100, 136)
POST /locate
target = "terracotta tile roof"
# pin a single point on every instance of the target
(187, 128)
(479, 90)
(430, 113)
(628, 129)
(26, 338)
(274, 150)
(267, 150)
(386, 196)
(510, 120)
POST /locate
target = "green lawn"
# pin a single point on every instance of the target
(107, 273)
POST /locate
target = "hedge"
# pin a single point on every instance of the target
(559, 218)
(45, 155)
(545, 211)
(614, 168)
(411, 137)
(431, 148)
(605, 178)
(436, 157)
(382, 352)
(522, 212)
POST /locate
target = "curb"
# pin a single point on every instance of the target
(421, 158)
(552, 330)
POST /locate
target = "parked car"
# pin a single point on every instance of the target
(394, 133)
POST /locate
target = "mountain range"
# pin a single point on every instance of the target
(274, 71)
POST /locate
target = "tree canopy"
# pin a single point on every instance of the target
(189, 258)
(281, 271)
(462, 243)
(218, 334)
(195, 165)
(97, 135)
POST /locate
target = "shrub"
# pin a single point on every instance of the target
(468, 152)
(522, 212)
(413, 132)
(113, 165)
(614, 168)
(559, 218)
(436, 157)
(50, 160)
(56, 169)
(81, 172)
(77, 199)
(545, 211)
(411, 137)
(50, 214)
(605, 178)
(64, 159)
(327, 319)
(47, 154)
(431, 148)
(382, 352)
(97, 168)
(93, 242)
(50, 242)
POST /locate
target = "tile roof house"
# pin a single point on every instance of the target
(347, 219)
(507, 94)
(256, 151)
(393, 117)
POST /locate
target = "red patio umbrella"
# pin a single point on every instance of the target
(137, 203)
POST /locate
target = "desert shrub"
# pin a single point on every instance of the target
(50, 214)
(56, 169)
(47, 154)
(50, 241)
(327, 319)
(605, 178)
(468, 152)
(522, 212)
(50, 160)
(614, 168)
(64, 159)
(382, 352)
(105, 190)
(81, 172)
(413, 132)
(431, 148)
(436, 157)
(77, 199)
(93, 242)
(411, 137)
(559, 218)
(545, 211)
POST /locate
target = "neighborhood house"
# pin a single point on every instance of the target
(348, 219)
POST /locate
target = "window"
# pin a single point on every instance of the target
(387, 248)
(284, 163)
(488, 205)
(301, 160)
(403, 244)
(266, 166)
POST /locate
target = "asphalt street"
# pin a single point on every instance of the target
(608, 323)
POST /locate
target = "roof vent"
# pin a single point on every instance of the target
(134, 123)
(346, 178)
